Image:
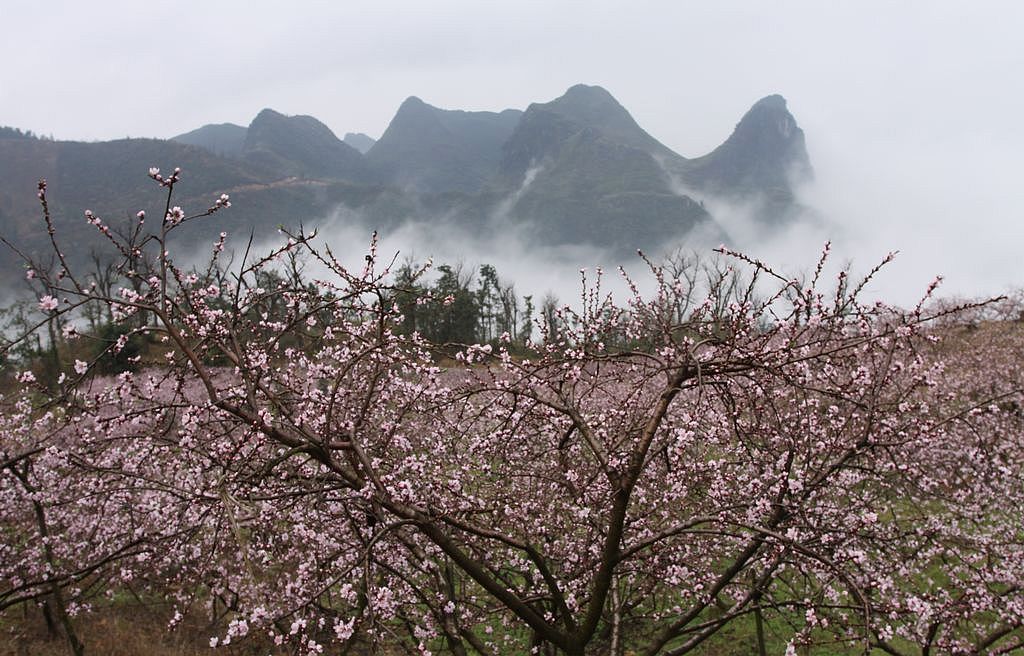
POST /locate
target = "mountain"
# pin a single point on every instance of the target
(303, 147)
(361, 142)
(763, 159)
(426, 149)
(576, 169)
(584, 167)
(225, 139)
(108, 178)
(594, 107)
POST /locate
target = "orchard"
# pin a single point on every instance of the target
(730, 452)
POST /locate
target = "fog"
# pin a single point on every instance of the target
(941, 218)
(534, 270)
(912, 110)
(955, 214)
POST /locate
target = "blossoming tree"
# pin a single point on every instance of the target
(646, 475)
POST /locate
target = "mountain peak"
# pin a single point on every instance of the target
(589, 105)
(769, 118)
(225, 139)
(773, 101)
(428, 148)
(593, 107)
(267, 114)
(361, 142)
(413, 116)
(764, 157)
(413, 104)
(590, 92)
(301, 146)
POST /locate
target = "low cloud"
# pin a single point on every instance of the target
(866, 201)
(534, 269)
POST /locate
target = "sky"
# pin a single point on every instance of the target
(913, 110)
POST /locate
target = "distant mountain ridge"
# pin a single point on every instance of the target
(427, 149)
(576, 169)
(225, 139)
(359, 141)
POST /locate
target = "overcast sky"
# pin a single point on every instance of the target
(913, 110)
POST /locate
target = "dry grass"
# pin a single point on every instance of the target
(117, 631)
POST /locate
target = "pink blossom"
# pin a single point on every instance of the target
(48, 303)
(175, 215)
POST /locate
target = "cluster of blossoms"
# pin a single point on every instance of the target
(175, 215)
(48, 303)
(222, 202)
(169, 181)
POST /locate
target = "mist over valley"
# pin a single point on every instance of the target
(565, 184)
